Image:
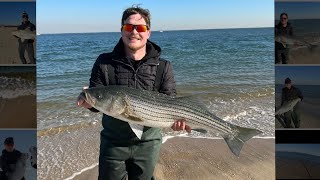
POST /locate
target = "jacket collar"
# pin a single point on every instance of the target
(152, 56)
(279, 25)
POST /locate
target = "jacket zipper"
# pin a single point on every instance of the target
(135, 71)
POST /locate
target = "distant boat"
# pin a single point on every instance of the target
(160, 31)
(38, 34)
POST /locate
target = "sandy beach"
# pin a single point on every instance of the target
(295, 168)
(18, 112)
(305, 55)
(310, 115)
(205, 159)
(9, 47)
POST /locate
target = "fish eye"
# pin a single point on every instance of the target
(99, 96)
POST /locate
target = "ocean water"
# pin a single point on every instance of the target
(16, 81)
(230, 69)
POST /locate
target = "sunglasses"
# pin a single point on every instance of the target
(139, 28)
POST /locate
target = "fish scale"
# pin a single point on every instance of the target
(178, 110)
(149, 108)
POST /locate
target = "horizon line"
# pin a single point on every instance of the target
(301, 84)
(158, 30)
(298, 152)
(318, 18)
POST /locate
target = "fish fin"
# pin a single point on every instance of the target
(236, 142)
(280, 111)
(195, 99)
(204, 131)
(133, 118)
(137, 129)
(130, 113)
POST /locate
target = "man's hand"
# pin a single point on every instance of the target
(180, 125)
(81, 102)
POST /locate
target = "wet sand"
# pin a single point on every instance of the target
(206, 159)
(305, 56)
(9, 47)
(297, 169)
(18, 112)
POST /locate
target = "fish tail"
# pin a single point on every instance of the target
(235, 142)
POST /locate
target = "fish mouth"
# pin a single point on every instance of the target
(87, 97)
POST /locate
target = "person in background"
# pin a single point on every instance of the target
(290, 92)
(9, 158)
(26, 45)
(283, 28)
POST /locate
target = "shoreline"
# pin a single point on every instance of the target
(182, 153)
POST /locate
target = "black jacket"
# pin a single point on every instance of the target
(282, 31)
(290, 94)
(24, 26)
(8, 158)
(141, 77)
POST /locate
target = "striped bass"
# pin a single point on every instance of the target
(24, 34)
(289, 42)
(152, 109)
(287, 106)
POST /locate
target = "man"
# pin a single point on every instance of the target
(9, 158)
(134, 62)
(26, 45)
(283, 28)
(289, 92)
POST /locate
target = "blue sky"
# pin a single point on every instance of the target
(23, 139)
(313, 149)
(71, 16)
(300, 75)
(298, 10)
(10, 12)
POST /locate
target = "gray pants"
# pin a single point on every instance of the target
(293, 116)
(282, 56)
(134, 160)
(26, 46)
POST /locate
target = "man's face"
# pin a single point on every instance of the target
(24, 19)
(288, 85)
(9, 147)
(135, 40)
(284, 19)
